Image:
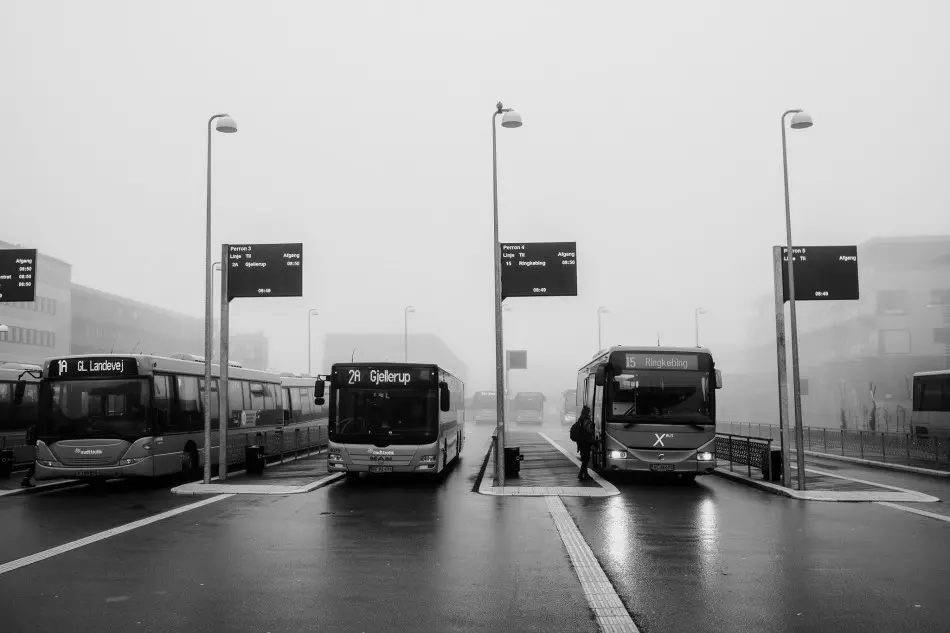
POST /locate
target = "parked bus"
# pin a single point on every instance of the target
(394, 418)
(485, 406)
(17, 416)
(930, 416)
(654, 409)
(527, 407)
(109, 416)
(569, 409)
(298, 399)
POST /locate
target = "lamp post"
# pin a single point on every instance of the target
(310, 314)
(214, 326)
(698, 312)
(800, 121)
(227, 125)
(405, 336)
(601, 310)
(509, 119)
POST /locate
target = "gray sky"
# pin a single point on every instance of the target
(651, 138)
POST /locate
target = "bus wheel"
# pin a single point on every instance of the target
(190, 470)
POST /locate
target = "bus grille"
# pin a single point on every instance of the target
(87, 460)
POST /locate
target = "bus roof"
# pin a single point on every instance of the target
(938, 372)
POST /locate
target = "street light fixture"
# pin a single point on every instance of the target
(310, 314)
(698, 312)
(801, 120)
(405, 338)
(601, 310)
(227, 125)
(509, 119)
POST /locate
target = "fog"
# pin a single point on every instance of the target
(651, 138)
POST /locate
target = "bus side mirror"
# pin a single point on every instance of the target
(445, 403)
(718, 379)
(600, 377)
(19, 391)
(318, 389)
(319, 401)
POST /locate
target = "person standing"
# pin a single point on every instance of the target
(582, 432)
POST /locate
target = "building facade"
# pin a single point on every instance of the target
(251, 350)
(36, 330)
(857, 358)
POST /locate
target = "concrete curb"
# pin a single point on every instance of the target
(606, 488)
(37, 488)
(255, 489)
(892, 493)
(882, 465)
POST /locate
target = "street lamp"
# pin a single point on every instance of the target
(601, 310)
(405, 339)
(509, 119)
(698, 312)
(310, 314)
(227, 125)
(800, 121)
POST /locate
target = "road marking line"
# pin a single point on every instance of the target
(68, 547)
(603, 600)
(923, 513)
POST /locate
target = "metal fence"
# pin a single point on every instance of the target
(876, 445)
(743, 450)
(277, 442)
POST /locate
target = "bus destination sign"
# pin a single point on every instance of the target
(93, 367)
(384, 377)
(822, 273)
(17, 275)
(681, 362)
(265, 270)
(539, 269)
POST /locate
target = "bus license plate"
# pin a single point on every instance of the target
(94, 473)
(661, 468)
(380, 469)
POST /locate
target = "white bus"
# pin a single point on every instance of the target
(394, 418)
(930, 416)
(485, 407)
(18, 414)
(109, 416)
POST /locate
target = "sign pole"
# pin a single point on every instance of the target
(223, 408)
(782, 362)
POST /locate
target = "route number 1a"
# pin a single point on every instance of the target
(354, 376)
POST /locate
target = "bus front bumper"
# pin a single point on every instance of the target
(48, 470)
(387, 469)
(701, 463)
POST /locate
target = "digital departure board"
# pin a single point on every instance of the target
(17, 275)
(539, 269)
(265, 270)
(822, 273)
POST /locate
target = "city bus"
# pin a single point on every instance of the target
(654, 409)
(394, 418)
(17, 415)
(569, 409)
(527, 407)
(930, 415)
(485, 407)
(299, 397)
(114, 416)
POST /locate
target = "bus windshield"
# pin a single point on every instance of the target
(570, 400)
(529, 400)
(660, 396)
(94, 408)
(484, 400)
(381, 414)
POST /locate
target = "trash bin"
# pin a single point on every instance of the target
(254, 460)
(513, 459)
(772, 464)
(6, 462)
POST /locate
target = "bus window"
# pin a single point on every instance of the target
(161, 402)
(188, 412)
(215, 404)
(297, 413)
(235, 402)
(257, 396)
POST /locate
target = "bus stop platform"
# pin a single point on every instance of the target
(292, 476)
(821, 485)
(546, 469)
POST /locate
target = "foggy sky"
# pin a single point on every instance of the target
(651, 138)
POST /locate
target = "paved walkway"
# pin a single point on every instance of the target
(294, 476)
(546, 470)
(821, 485)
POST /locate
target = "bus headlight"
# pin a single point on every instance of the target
(47, 463)
(704, 457)
(129, 461)
(427, 459)
(334, 457)
(618, 454)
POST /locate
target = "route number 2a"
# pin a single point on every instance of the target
(354, 376)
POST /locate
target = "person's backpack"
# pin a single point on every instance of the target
(576, 431)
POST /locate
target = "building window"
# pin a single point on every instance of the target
(940, 297)
(894, 342)
(892, 301)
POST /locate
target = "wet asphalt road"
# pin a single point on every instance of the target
(397, 555)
